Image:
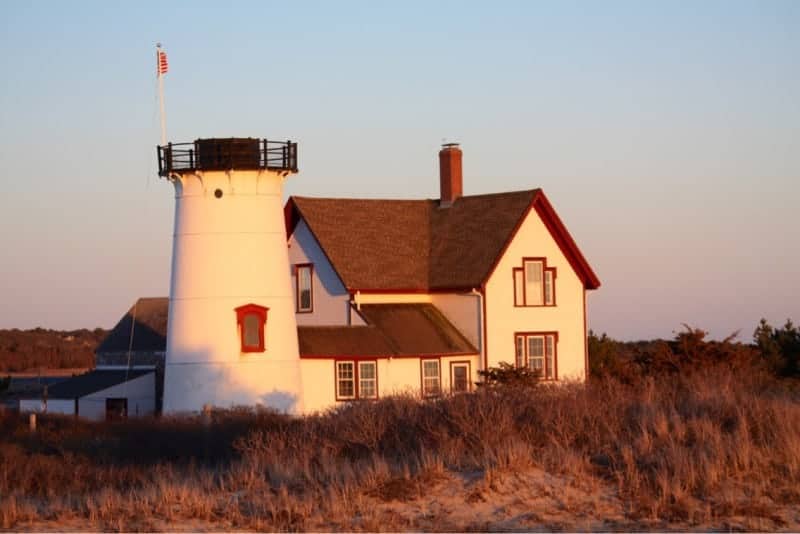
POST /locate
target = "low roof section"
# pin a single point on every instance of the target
(142, 329)
(393, 330)
(92, 382)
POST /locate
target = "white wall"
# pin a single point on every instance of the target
(567, 317)
(228, 252)
(391, 298)
(331, 299)
(395, 376)
(464, 311)
(140, 392)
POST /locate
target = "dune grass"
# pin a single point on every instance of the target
(691, 449)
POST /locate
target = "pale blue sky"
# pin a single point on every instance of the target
(666, 134)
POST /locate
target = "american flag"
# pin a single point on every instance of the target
(162, 63)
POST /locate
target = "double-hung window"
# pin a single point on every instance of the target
(356, 380)
(431, 378)
(304, 273)
(538, 352)
(534, 283)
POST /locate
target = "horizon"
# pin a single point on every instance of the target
(667, 137)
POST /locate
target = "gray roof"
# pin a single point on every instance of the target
(92, 382)
(149, 328)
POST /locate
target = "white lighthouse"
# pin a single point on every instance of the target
(232, 336)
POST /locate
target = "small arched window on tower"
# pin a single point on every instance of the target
(251, 320)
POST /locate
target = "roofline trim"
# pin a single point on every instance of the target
(560, 234)
(414, 290)
(292, 216)
(565, 241)
(385, 356)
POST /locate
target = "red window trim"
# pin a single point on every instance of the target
(555, 351)
(384, 356)
(469, 374)
(297, 268)
(248, 309)
(356, 383)
(545, 269)
(422, 361)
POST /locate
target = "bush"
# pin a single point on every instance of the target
(509, 376)
(780, 347)
(672, 449)
(689, 352)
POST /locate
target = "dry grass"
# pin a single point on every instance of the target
(710, 449)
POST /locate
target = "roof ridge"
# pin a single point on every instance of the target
(433, 200)
(335, 326)
(361, 199)
(380, 243)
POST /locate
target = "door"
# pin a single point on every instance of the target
(459, 377)
(116, 408)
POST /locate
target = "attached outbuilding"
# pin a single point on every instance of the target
(99, 395)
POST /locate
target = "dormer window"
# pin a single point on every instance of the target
(305, 292)
(251, 320)
(534, 283)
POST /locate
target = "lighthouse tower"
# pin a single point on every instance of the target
(231, 336)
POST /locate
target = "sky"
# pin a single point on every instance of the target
(666, 135)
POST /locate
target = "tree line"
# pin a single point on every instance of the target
(773, 350)
(39, 348)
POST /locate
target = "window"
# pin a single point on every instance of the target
(534, 283)
(250, 330)
(345, 380)
(356, 380)
(305, 292)
(459, 377)
(251, 319)
(431, 378)
(537, 351)
(367, 380)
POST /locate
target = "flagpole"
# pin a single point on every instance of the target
(161, 95)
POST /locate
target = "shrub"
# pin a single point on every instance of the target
(508, 375)
(780, 347)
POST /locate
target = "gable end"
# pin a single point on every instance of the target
(541, 205)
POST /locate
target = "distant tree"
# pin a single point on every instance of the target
(780, 347)
(605, 357)
(22, 350)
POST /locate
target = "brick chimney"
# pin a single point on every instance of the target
(450, 187)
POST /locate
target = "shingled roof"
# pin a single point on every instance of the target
(149, 328)
(418, 245)
(392, 330)
(91, 382)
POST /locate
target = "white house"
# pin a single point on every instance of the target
(419, 295)
(333, 300)
(98, 395)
